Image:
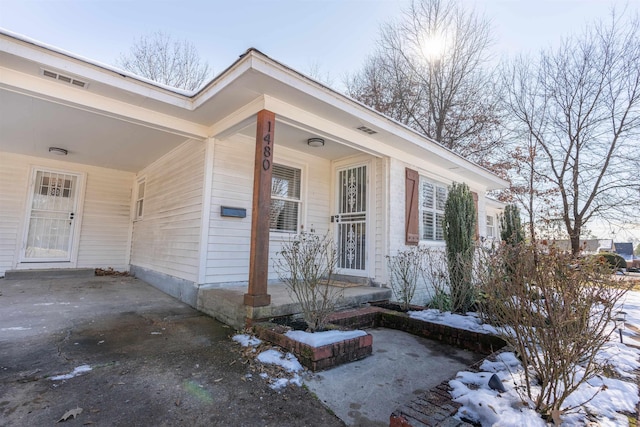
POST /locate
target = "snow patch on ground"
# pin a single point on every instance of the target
(318, 339)
(247, 340)
(470, 322)
(606, 397)
(77, 371)
(16, 328)
(483, 405)
(288, 362)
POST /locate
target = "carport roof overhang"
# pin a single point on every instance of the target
(137, 120)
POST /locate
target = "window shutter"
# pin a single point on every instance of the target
(412, 229)
(475, 203)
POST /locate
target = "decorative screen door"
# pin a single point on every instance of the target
(351, 220)
(51, 217)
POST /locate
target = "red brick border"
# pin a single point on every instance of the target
(317, 358)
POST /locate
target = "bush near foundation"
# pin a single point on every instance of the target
(306, 264)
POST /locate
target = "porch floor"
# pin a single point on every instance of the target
(226, 303)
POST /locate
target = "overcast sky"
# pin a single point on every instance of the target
(335, 35)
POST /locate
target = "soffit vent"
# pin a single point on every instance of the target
(65, 79)
(367, 130)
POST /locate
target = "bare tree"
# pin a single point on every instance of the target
(429, 73)
(158, 57)
(580, 106)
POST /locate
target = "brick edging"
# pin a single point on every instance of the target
(316, 358)
(434, 407)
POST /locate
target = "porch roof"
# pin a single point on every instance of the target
(123, 121)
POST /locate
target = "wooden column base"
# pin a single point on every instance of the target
(257, 300)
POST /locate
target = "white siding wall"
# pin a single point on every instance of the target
(381, 204)
(167, 239)
(104, 236)
(230, 238)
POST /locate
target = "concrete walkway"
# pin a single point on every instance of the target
(154, 361)
(366, 392)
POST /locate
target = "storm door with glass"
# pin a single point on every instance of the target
(351, 220)
(52, 213)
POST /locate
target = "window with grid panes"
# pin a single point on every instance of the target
(433, 197)
(285, 199)
(491, 226)
(140, 199)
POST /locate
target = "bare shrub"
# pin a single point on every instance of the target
(306, 264)
(405, 268)
(436, 276)
(556, 312)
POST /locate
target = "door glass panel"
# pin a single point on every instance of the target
(51, 217)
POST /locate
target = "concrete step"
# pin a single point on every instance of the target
(50, 273)
(227, 303)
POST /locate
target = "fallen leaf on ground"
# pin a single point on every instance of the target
(71, 413)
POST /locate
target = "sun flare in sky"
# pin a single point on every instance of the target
(433, 46)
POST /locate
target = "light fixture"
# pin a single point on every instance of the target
(58, 151)
(315, 142)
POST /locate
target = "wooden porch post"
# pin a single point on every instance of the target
(259, 257)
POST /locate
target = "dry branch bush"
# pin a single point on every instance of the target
(435, 273)
(436, 276)
(306, 264)
(557, 315)
(405, 268)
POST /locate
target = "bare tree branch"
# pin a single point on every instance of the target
(158, 57)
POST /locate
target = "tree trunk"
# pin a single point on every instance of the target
(575, 243)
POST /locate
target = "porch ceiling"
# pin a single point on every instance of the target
(296, 139)
(30, 125)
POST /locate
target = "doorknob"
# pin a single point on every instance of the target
(71, 215)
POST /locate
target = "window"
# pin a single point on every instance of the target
(491, 227)
(432, 200)
(140, 199)
(285, 198)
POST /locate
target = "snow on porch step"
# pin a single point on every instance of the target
(52, 273)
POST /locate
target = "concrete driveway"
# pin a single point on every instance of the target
(154, 361)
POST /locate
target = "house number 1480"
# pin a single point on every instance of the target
(266, 151)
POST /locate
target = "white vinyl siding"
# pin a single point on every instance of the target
(381, 201)
(433, 197)
(104, 235)
(230, 238)
(167, 238)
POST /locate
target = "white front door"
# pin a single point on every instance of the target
(351, 220)
(51, 216)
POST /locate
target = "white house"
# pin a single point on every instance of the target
(101, 168)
